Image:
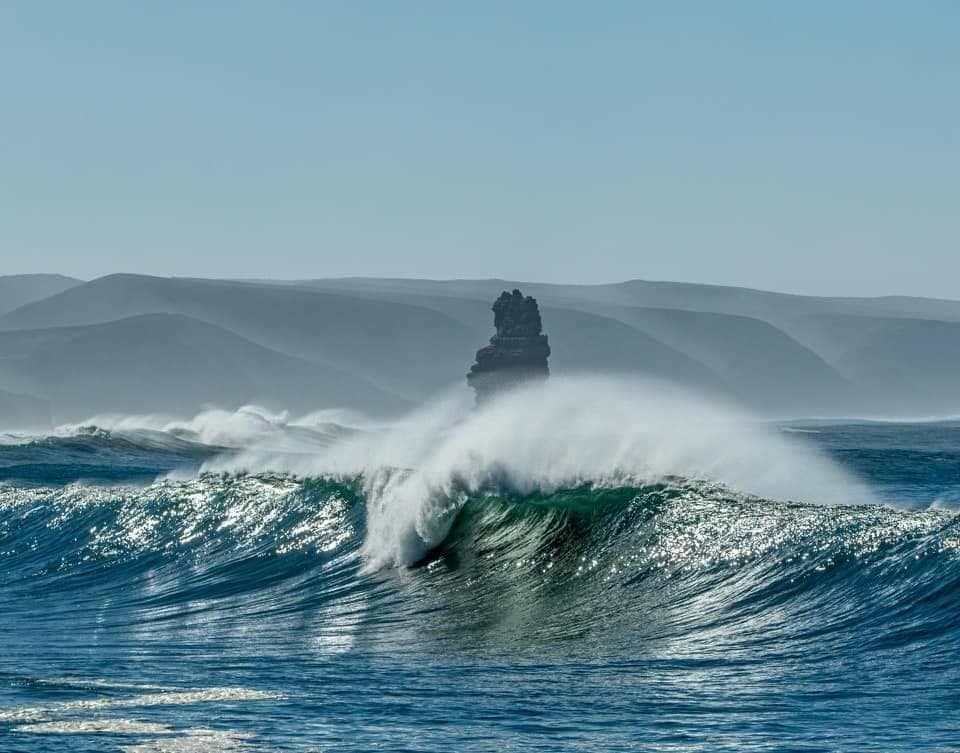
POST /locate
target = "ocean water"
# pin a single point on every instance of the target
(559, 573)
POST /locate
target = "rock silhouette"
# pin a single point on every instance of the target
(517, 353)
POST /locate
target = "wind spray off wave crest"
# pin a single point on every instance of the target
(570, 432)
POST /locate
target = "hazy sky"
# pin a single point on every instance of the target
(808, 147)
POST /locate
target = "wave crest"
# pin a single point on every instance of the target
(570, 432)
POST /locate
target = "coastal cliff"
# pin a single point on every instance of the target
(518, 351)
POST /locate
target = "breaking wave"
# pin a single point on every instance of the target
(417, 474)
(592, 519)
(677, 558)
(588, 486)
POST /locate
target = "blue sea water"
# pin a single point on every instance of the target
(141, 611)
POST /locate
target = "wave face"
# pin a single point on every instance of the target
(475, 586)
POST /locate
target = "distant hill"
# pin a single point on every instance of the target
(584, 342)
(757, 359)
(17, 290)
(738, 356)
(411, 348)
(401, 341)
(405, 347)
(172, 364)
(760, 304)
(911, 365)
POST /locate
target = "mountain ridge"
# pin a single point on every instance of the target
(774, 352)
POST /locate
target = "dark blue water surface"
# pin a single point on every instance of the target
(235, 612)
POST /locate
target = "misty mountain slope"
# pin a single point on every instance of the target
(19, 290)
(907, 364)
(761, 365)
(767, 368)
(96, 302)
(410, 348)
(174, 364)
(411, 338)
(720, 299)
(768, 306)
(475, 315)
(833, 336)
(789, 354)
(581, 341)
(775, 308)
(404, 348)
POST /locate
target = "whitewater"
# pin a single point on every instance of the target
(596, 564)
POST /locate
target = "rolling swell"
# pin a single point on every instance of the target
(592, 565)
(97, 455)
(677, 567)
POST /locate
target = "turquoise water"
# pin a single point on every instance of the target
(239, 612)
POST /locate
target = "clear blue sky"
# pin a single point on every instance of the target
(809, 147)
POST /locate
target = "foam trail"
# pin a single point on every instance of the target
(250, 427)
(573, 431)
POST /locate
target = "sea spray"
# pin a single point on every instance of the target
(572, 431)
(417, 471)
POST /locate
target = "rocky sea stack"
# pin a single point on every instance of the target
(517, 353)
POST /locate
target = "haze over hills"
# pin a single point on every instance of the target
(132, 342)
(657, 294)
(17, 290)
(380, 341)
(170, 363)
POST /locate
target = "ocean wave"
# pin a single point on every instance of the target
(680, 560)
(417, 471)
(594, 508)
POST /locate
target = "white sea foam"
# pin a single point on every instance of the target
(571, 431)
(95, 726)
(170, 740)
(43, 712)
(48, 719)
(198, 740)
(250, 427)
